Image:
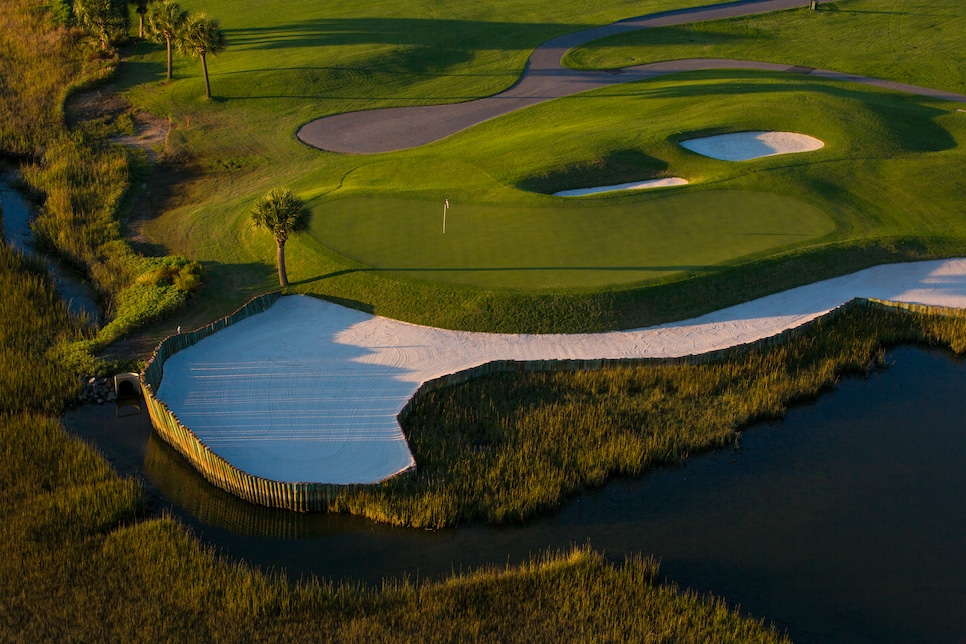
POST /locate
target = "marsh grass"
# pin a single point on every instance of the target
(503, 448)
(31, 102)
(35, 320)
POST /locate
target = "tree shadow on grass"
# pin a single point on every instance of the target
(457, 34)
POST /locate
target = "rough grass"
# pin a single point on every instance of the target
(31, 104)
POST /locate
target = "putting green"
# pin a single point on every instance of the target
(567, 247)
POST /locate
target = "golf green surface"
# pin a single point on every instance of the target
(591, 246)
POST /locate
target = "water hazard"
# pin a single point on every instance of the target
(70, 285)
(844, 522)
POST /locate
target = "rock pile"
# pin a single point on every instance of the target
(97, 390)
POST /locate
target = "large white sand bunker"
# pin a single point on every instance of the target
(744, 146)
(650, 184)
(309, 391)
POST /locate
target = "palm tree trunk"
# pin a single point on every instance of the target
(168, 38)
(282, 277)
(204, 66)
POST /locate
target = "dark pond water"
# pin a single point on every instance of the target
(16, 231)
(845, 522)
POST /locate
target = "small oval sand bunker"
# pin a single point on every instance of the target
(744, 146)
(635, 185)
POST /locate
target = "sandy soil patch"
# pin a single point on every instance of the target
(636, 185)
(309, 391)
(744, 146)
(150, 132)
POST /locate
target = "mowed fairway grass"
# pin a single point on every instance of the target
(886, 187)
(517, 247)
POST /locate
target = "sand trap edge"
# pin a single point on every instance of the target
(747, 146)
(634, 185)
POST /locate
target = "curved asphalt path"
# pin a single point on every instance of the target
(545, 79)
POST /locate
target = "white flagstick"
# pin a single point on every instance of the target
(445, 206)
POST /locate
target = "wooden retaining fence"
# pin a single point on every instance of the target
(300, 497)
(315, 497)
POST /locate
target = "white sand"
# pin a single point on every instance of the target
(743, 146)
(638, 185)
(309, 391)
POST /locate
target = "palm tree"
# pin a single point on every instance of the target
(202, 36)
(142, 10)
(164, 22)
(106, 20)
(283, 213)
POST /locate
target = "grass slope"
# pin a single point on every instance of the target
(884, 177)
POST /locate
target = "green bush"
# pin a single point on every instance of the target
(139, 304)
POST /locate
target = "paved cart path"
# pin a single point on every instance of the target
(398, 128)
(310, 391)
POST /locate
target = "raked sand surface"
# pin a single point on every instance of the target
(744, 146)
(309, 391)
(649, 184)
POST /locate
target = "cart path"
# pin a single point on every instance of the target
(545, 79)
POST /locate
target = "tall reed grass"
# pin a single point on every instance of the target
(505, 447)
(34, 321)
(39, 64)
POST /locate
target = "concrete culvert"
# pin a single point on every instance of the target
(127, 385)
